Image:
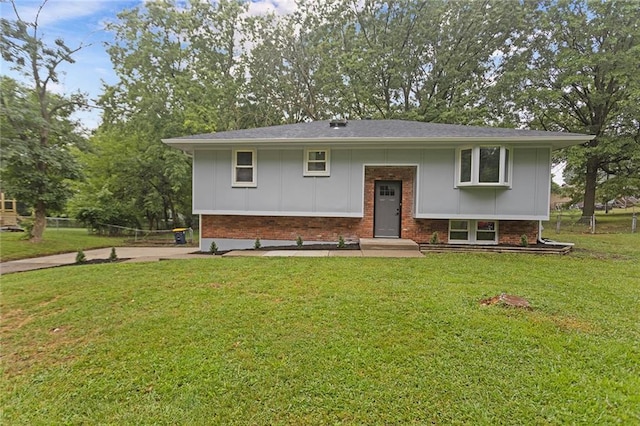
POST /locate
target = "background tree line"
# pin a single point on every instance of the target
(197, 67)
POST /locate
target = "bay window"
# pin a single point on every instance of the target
(484, 166)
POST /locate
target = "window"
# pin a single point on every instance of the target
(244, 168)
(473, 231)
(465, 165)
(484, 166)
(316, 162)
(387, 191)
(489, 165)
(459, 230)
(486, 231)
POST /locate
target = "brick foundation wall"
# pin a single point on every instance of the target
(511, 231)
(351, 229)
(281, 228)
(428, 226)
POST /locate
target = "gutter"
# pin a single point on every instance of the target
(549, 242)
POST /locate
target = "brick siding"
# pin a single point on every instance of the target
(511, 231)
(281, 228)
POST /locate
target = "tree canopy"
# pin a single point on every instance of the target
(580, 73)
(38, 133)
(187, 67)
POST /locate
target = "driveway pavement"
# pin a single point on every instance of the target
(134, 254)
(151, 254)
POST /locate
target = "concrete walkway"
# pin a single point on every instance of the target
(325, 253)
(134, 254)
(154, 254)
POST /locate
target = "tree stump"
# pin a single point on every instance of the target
(505, 299)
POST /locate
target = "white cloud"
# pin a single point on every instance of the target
(57, 11)
(279, 7)
(103, 71)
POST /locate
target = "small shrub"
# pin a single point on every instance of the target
(113, 256)
(341, 242)
(257, 244)
(524, 241)
(213, 248)
(434, 238)
(299, 241)
(80, 257)
(27, 225)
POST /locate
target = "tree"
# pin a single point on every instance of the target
(37, 130)
(430, 60)
(580, 73)
(178, 74)
(184, 67)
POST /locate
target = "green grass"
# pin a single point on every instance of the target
(328, 340)
(14, 245)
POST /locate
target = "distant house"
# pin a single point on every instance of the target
(371, 179)
(558, 202)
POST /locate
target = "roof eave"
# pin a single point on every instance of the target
(555, 142)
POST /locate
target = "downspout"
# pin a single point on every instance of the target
(202, 249)
(547, 241)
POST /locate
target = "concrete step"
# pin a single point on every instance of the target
(388, 244)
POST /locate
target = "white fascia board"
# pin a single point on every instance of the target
(276, 213)
(189, 145)
(480, 216)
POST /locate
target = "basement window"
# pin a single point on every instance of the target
(484, 166)
(244, 168)
(316, 162)
(473, 231)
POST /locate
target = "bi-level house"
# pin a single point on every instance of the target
(371, 179)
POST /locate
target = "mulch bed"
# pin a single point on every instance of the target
(319, 246)
(501, 248)
(99, 261)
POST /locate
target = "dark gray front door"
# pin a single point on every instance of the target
(387, 209)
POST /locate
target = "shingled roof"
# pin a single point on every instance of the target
(373, 132)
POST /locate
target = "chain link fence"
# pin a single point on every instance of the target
(134, 235)
(145, 236)
(63, 223)
(601, 223)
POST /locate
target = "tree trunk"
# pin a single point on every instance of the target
(591, 178)
(40, 223)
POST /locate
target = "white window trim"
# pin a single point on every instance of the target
(504, 179)
(472, 230)
(254, 166)
(327, 156)
(495, 231)
(468, 231)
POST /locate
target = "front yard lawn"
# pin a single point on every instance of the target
(14, 245)
(326, 341)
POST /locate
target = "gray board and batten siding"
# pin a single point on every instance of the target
(283, 190)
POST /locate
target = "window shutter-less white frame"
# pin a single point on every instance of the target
(241, 166)
(476, 234)
(308, 161)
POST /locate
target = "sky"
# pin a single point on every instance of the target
(82, 22)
